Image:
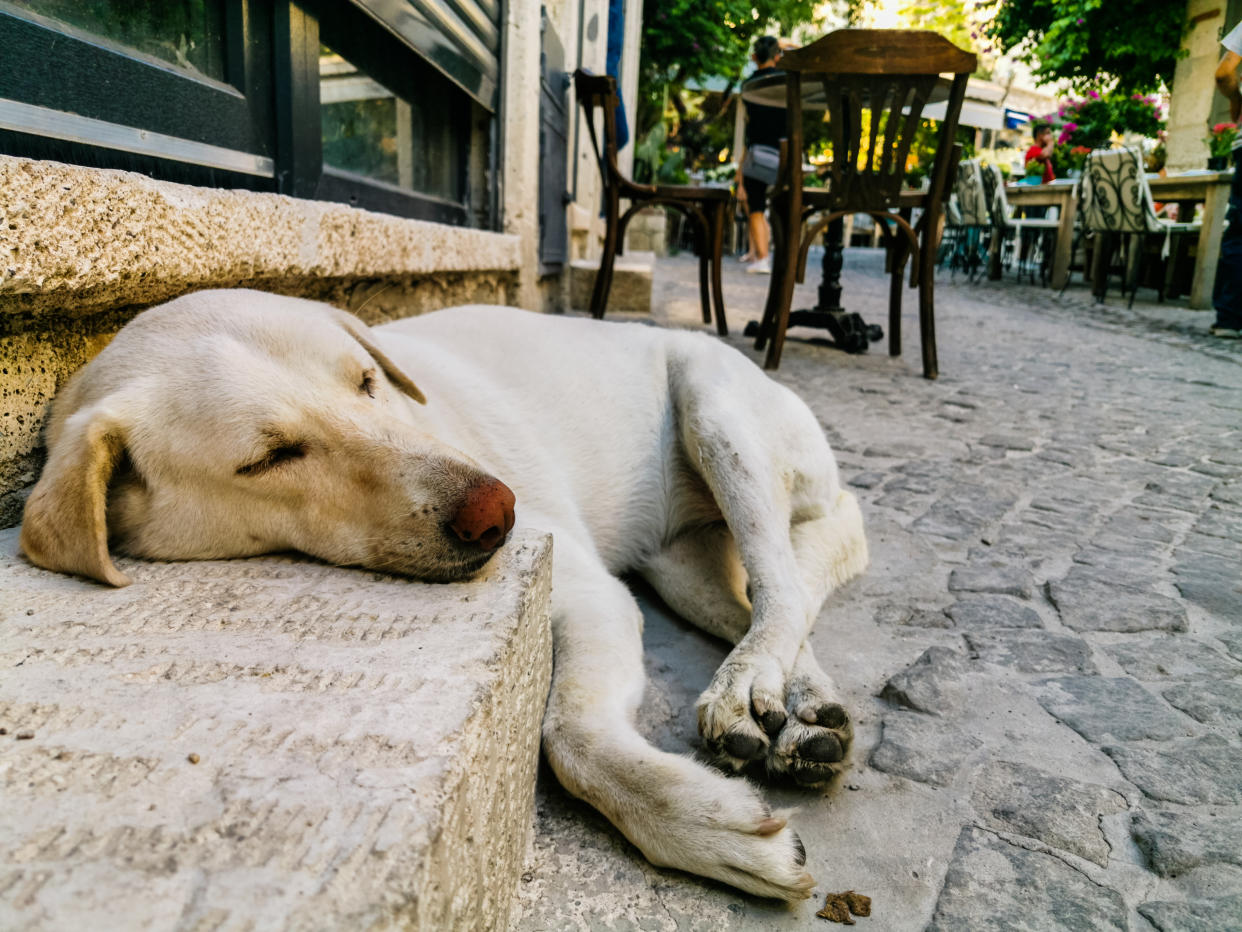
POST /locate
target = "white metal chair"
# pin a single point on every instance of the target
(1117, 201)
(1036, 236)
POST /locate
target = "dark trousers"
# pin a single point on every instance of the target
(1227, 294)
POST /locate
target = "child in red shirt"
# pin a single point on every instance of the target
(1041, 151)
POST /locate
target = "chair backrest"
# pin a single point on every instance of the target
(971, 195)
(890, 73)
(1115, 195)
(994, 190)
(599, 92)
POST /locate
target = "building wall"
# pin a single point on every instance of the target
(82, 250)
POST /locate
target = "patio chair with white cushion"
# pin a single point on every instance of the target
(1117, 201)
(967, 219)
(1036, 235)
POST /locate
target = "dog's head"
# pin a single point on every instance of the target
(233, 423)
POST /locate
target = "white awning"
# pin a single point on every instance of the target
(974, 113)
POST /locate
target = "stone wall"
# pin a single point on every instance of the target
(83, 250)
(1195, 105)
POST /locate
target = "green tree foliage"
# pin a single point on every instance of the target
(1092, 43)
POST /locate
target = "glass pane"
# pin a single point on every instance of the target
(186, 33)
(371, 131)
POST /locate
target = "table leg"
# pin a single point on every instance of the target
(848, 331)
(1215, 206)
(834, 260)
(1065, 243)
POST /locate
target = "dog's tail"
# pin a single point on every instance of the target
(847, 542)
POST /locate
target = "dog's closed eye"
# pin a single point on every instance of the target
(274, 457)
(367, 384)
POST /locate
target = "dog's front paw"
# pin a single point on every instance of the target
(741, 709)
(812, 746)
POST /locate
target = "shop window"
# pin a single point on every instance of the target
(384, 104)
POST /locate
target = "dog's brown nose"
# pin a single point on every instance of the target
(485, 515)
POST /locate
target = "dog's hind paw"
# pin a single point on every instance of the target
(812, 747)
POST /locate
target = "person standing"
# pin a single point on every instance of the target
(1227, 293)
(757, 168)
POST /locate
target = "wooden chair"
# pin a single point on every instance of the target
(891, 73)
(706, 207)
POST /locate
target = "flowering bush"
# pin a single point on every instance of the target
(1066, 157)
(1090, 122)
(1220, 141)
(1137, 114)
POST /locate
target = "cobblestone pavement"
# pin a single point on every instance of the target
(1044, 660)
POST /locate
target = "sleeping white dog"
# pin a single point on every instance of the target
(229, 423)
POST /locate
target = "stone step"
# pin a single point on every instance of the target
(269, 743)
(631, 282)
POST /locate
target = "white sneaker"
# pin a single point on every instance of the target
(760, 267)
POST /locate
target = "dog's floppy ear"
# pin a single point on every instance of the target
(64, 527)
(362, 333)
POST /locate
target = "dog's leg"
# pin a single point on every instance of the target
(701, 577)
(798, 535)
(677, 812)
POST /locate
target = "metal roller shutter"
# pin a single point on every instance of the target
(459, 37)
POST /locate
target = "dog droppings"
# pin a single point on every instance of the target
(193, 758)
(839, 906)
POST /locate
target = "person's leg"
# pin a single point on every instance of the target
(1227, 293)
(757, 203)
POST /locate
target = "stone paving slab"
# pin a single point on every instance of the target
(268, 743)
(1063, 503)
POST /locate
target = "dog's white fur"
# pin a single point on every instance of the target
(660, 452)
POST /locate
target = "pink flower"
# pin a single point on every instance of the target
(1093, 95)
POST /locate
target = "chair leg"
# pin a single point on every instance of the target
(927, 318)
(772, 304)
(1134, 253)
(603, 277)
(1101, 259)
(897, 259)
(784, 298)
(719, 218)
(703, 240)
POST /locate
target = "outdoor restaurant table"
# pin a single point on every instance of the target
(767, 87)
(1212, 189)
(1061, 194)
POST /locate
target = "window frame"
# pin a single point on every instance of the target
(258, 128)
